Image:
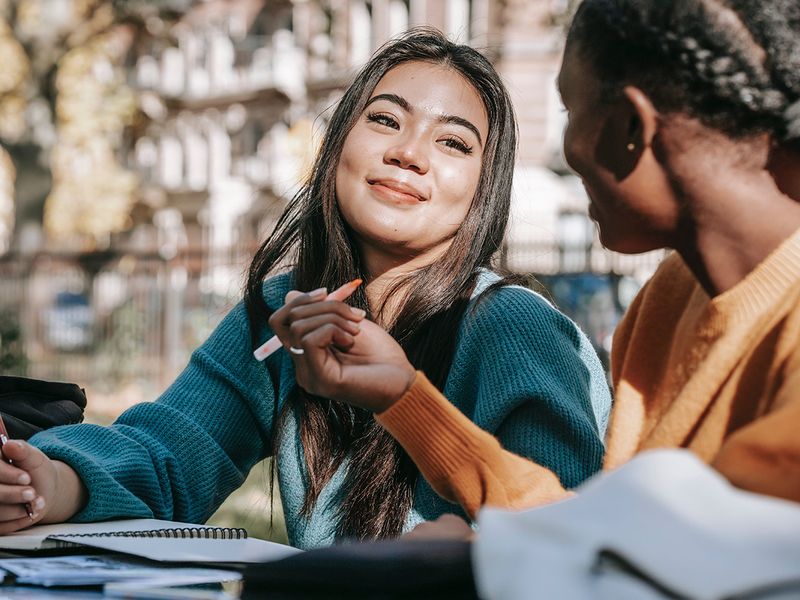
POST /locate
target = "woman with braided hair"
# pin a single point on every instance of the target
(684, 125)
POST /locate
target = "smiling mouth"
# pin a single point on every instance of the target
(396, 191)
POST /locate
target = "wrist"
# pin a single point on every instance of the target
(71, 494)
(405, 383)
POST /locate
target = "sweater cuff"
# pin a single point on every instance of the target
(436, 435)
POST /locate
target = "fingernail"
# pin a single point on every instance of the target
(38, 504)
(24, 479)
(28, 495)
(359, 312)
(318, 293)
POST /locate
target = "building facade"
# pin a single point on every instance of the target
(236, 106)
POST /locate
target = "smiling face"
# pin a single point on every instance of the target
(410, 166)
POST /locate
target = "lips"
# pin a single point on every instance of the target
(398, 190)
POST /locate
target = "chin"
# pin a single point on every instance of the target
(622, 241)
(626, 245)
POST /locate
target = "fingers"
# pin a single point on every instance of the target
(327, 335)
(23, 456)
(301, 328)
(280, 320)
(318, 369)
(299, 307)
(16, 522)
(16, 494)
(16, 491)
(18, 453)
(445, 527)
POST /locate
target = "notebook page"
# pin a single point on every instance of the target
(191, 550)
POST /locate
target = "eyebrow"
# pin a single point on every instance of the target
(406, 106)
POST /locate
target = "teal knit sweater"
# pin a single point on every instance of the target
(521, 370)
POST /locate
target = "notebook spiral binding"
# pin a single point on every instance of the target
(210, 533)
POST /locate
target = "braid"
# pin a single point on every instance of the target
(730, 63)
(776, 27)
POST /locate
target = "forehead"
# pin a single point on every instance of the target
(435, 90)
(575, 76)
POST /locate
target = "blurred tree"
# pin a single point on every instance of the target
(64, 101)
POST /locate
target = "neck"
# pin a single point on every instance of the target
(384, 270)
(735, 227)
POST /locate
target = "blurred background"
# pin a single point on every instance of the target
(147, 146)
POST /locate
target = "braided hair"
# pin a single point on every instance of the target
(732, 64)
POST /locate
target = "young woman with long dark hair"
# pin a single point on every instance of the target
(684, 125)
(410, 192)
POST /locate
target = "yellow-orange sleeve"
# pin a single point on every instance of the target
(462, 462)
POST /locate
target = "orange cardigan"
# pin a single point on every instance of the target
(719, 376)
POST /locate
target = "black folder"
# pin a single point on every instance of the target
(371, 571)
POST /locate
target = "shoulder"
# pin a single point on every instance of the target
(517, 310)
(237, 322)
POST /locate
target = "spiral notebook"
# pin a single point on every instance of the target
(153, 539)
(46, 537)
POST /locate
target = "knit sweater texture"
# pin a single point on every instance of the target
(522, 371)
(719, 376)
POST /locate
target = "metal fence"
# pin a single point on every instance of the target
(108, 320)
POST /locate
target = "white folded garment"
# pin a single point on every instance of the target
(663, 526)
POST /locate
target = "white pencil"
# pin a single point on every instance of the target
(273, 343)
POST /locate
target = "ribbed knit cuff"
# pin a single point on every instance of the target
(437, 436)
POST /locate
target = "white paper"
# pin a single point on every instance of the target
(201, 550)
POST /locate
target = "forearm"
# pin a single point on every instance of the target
(461, 461)
(70, 495)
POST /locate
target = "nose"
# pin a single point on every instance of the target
(408, 152)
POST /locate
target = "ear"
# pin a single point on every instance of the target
(629, 126)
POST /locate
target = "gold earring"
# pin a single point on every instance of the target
(631, 146)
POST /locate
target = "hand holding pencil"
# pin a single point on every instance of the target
(35, 488)
(341, 294)
(338, 353)
(24, 477)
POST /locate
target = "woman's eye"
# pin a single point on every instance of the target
(383, 119)
(457, 144)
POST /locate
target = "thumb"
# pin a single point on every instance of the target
(22, 454)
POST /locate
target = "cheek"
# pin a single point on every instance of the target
(459, 182)
(573, 152)
(347, 169)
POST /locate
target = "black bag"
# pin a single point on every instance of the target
(30, 405)
(386, 570)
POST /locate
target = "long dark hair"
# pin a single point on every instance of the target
(732, 64)
(312, 236)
